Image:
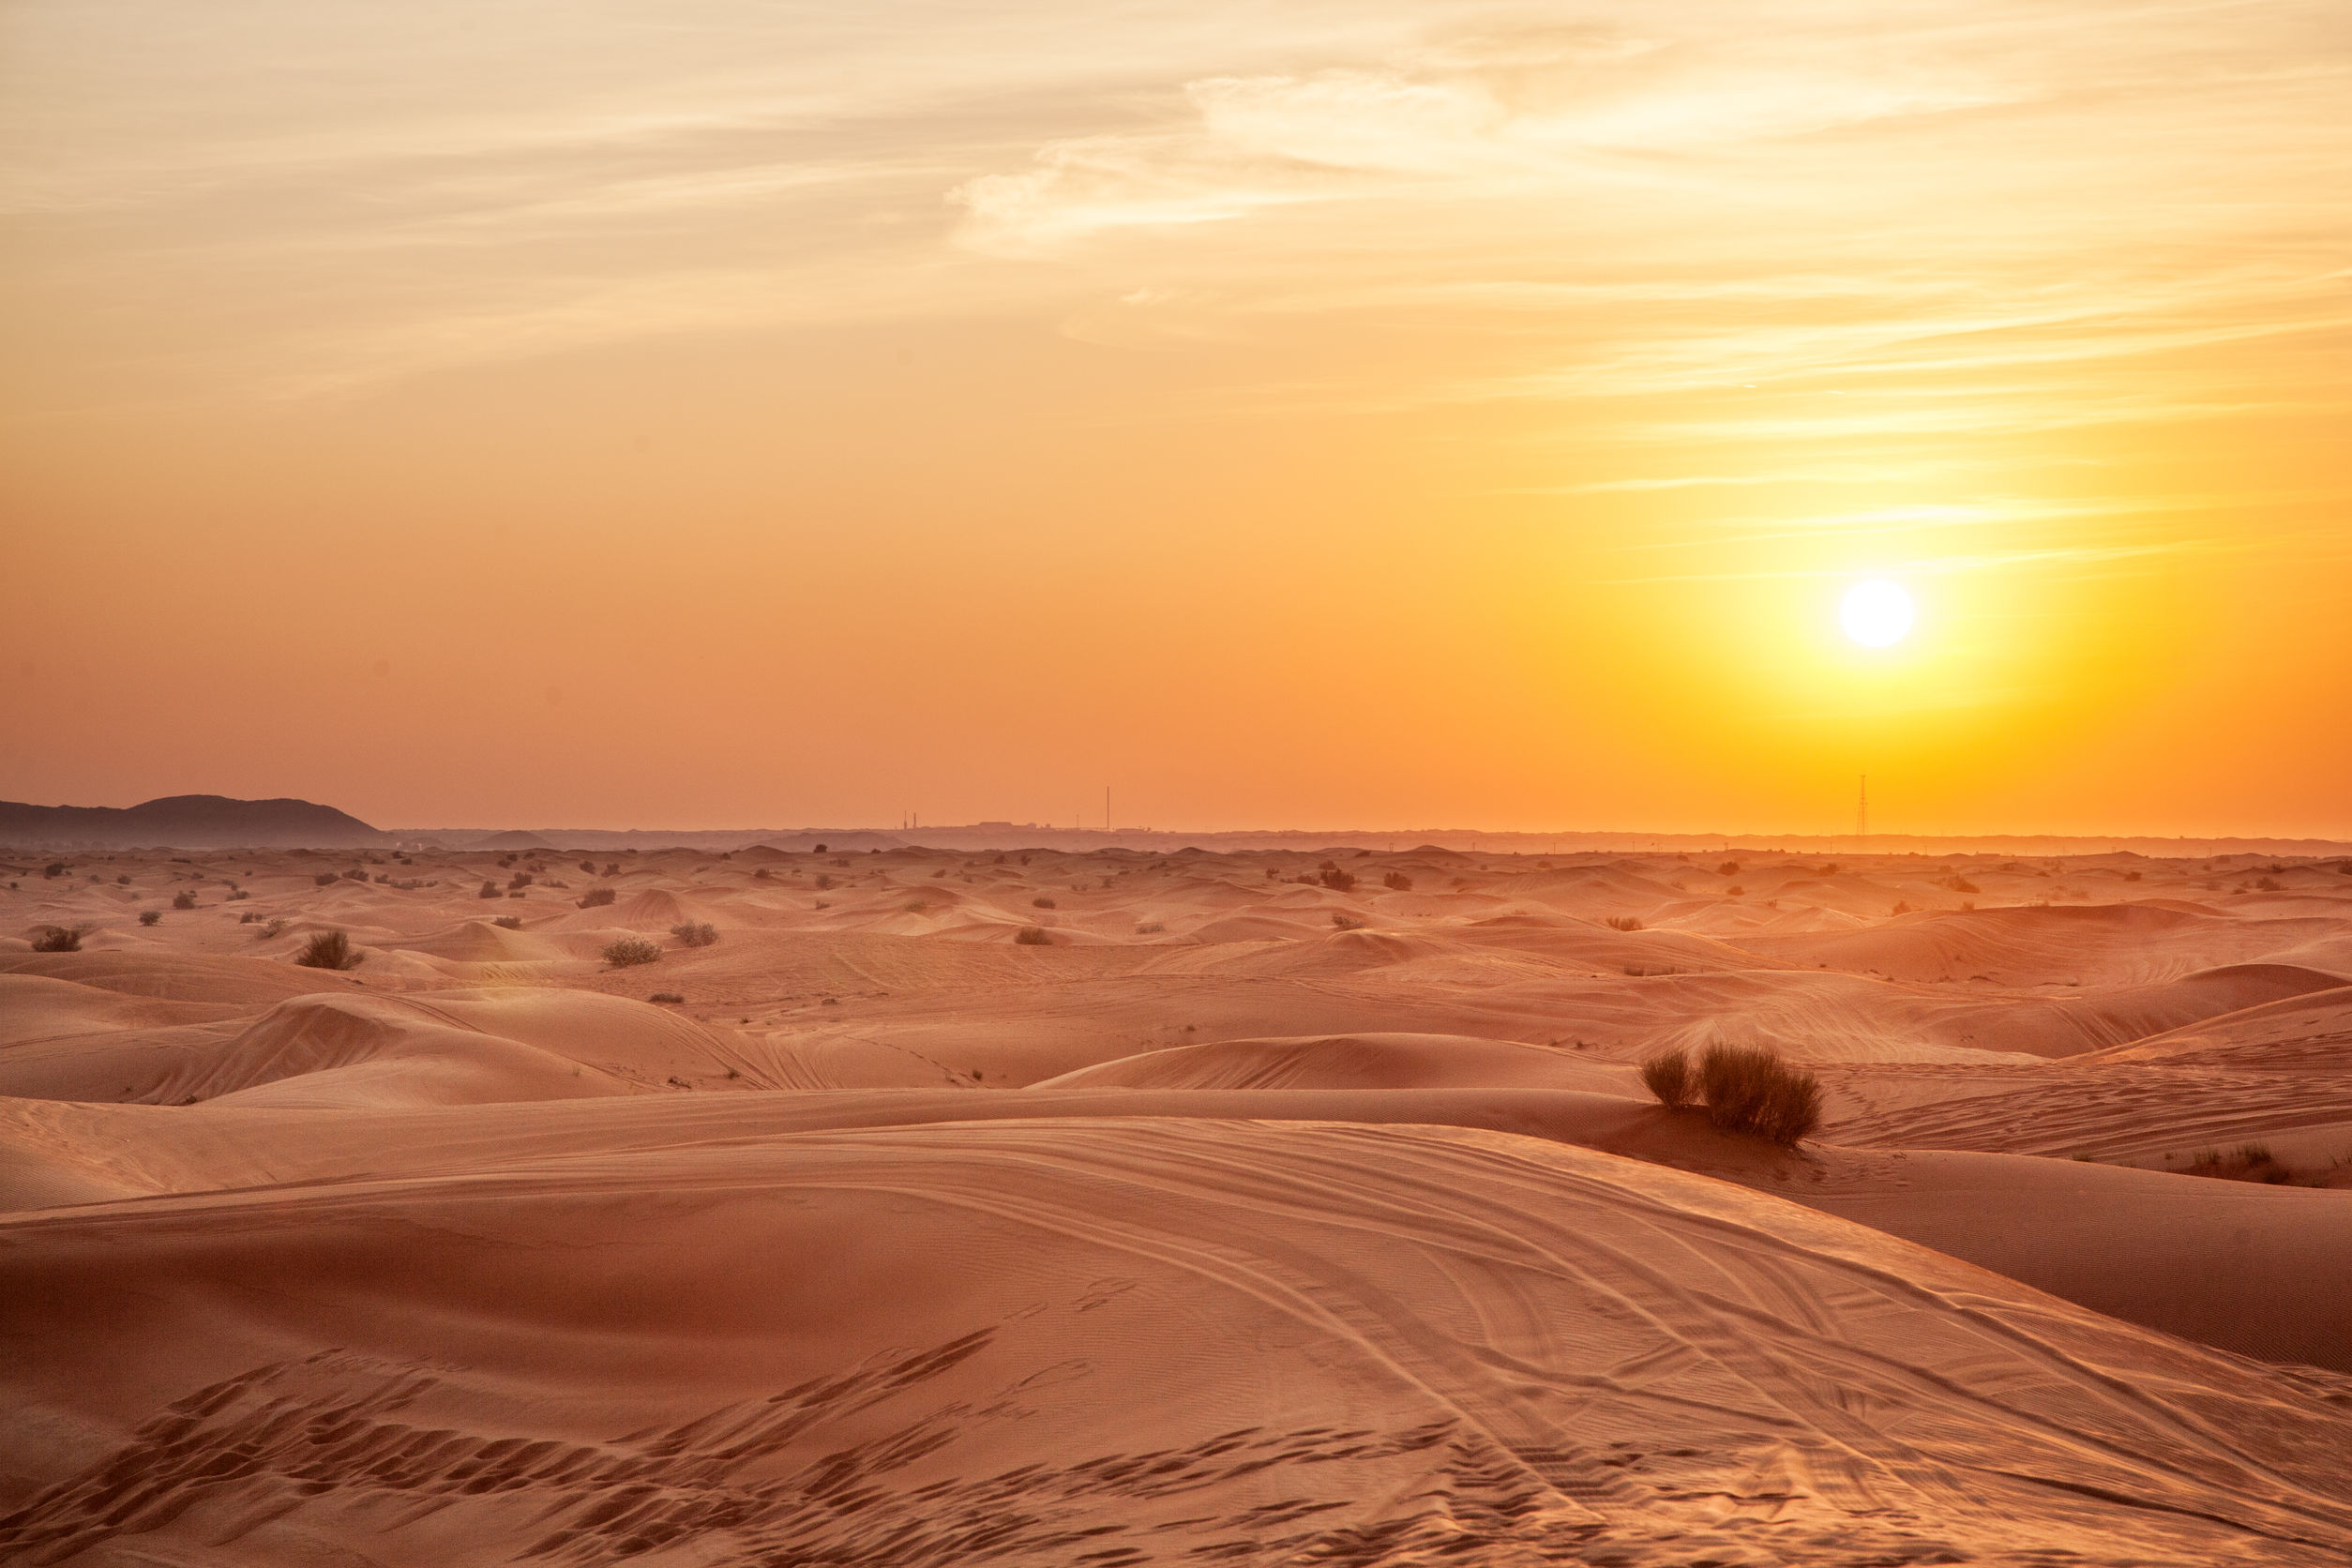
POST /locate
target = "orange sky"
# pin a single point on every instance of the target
(715, 413)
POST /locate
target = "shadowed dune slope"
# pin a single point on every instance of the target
(1108, 1341)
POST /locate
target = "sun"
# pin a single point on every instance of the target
(1877, 613)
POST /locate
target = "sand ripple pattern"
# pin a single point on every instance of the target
(1271, 1344)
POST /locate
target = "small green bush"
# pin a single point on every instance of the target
(695, 933)
(1667, 1076)
(596, 898)
(672, 997)
(59, 939)
(629, 951)
(509, 922)
(184, 900)
(328, 950)
(1043, 904)
(327, 879)
(150, 917)
(1396, 882)
(489, 890)
(269, 930)
(1033, 935)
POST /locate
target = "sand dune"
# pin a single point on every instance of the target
(1351, 1356)
(1250, 1220)
(1353, 1062)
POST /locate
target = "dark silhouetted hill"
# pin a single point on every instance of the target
(188, 822)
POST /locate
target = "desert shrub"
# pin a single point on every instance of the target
(56, 868)
(1337, 879)
(1962, 884)
(589, 867)
(1667, 1076)
(596, 898)
(248, 918)
(2267, 884)
(672, 997)
(761, 873)
(1346, 922)
(1033, 935)
(1749, 1089)
(1735, 891)
(824, 880)
(510, 922)
(356, 875)
(1042, 903)
(1623, 922)
(489, 890)
(1149, 927)
(150, 917)
(1900, 908)
(327, 950)
(271, 930)
(1396, 882)
(612, 869)
(2131, 876)
(918, 906)
(1728, 868)
(59, 939)
(695, 933)
(521, 879)
(237, 893)
(629, 951)
(327, 879)
(1272, 875)
(184, 899)
(123, 880)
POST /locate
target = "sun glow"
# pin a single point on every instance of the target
(1878, 613)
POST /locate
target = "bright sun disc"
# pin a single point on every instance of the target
(1876, 614)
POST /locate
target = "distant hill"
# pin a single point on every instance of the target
(188, 822)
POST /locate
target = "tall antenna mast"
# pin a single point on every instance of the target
(1862, 809)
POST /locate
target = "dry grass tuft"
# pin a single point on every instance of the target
(1667, 1076)
(1749, 1089)
(629, 951)
(328, 950)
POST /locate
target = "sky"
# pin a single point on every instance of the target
(717, 414)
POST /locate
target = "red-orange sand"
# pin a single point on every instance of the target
(1244, 1220)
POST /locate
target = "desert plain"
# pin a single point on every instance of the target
(940, 1208)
